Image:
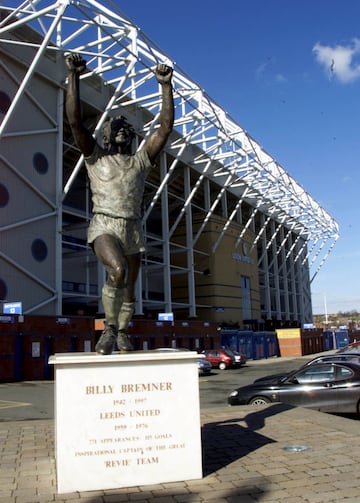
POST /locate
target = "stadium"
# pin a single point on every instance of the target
(231, 237)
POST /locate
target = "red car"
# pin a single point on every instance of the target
(220, 358)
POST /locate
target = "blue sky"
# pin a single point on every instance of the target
(288, 71)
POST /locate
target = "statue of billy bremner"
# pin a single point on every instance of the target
(117, 180)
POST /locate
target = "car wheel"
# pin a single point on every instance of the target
(259, 400)
(222, 366)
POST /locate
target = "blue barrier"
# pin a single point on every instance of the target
(254, 345)
(341, 338)
(328, 340)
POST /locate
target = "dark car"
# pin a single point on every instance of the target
(204, 366)
(336, 357)
(353, 347)
(328, 387)
(220, 358)
(240, 359)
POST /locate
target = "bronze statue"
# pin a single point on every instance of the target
(117, 180)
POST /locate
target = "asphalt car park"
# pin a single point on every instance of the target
(35, 399)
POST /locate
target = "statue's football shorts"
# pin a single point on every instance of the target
(127, 231)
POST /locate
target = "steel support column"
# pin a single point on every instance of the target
(59, 190)
(276, 287)
(284, 276)
(165, 237)
(189, 246)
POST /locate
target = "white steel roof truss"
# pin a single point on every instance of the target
(30, 96)
(317, 253)
(300, 252)
(26, 272)
(323, 260)
(111, 42)
(31, 69)
(262, 229)
(27, 182)
(27, 221)
(229, 220)
(262, 203)
(189, 198)
(211, 210)
(269, 243)
(282, 247)
(287, 258)
(310, 250)
(167, 176)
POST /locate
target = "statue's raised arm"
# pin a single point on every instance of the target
(76, 65)
(157, 140)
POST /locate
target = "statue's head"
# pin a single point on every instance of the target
(118, 132)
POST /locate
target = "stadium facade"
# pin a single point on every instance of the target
(231, 237)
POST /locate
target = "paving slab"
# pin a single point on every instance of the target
(272, 454)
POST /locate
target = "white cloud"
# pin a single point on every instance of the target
(263, 67)
(342, 62)
(279, 77)
(266, 71)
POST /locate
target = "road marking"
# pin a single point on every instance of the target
(6, 404)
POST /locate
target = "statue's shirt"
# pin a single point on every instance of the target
(117, 182)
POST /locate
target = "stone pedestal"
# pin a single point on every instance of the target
(126, 419)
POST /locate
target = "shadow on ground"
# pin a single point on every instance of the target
(226, 441)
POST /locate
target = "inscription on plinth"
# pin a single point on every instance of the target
(126, 419)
